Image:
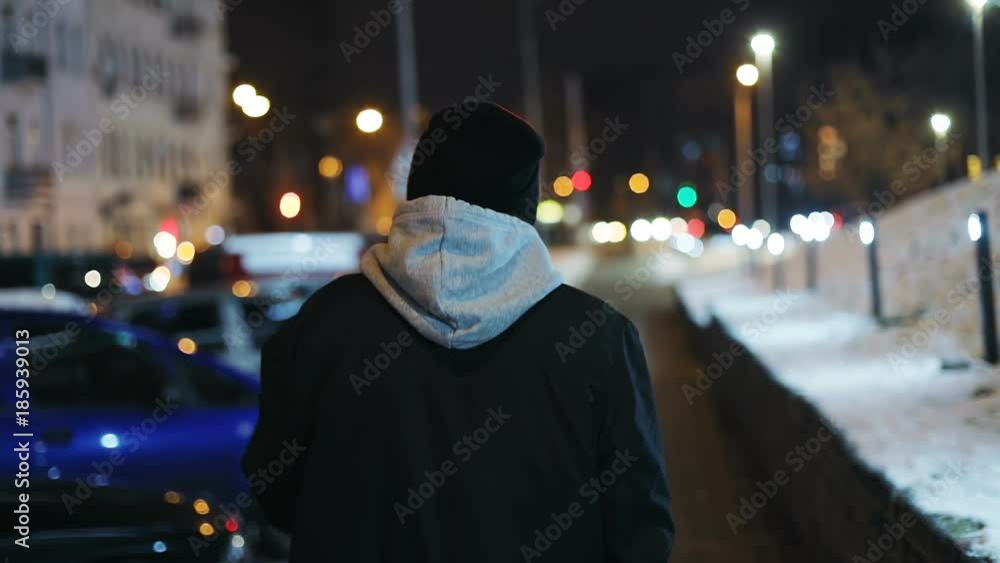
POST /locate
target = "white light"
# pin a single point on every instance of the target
(92, 278)
(243, 93)
(697, 249)
(798, 223)
(975, 228)
(642, 230)
(369, 120)
(302, 243)
(165, 244)
(685, 243)
(747, 75)
(159, 278)
(215, 235)
(762, 44)
(940, 123)
(617, 231)
(977, 5)
(238, 541)
(257, 106)
(109, 441)
(661, 229)
(763, 226)
(755, 239)
(600, 233)
(49, 291)
(776, 244)
(866, 231)
(678, 226)
(821, 235)
(741, 234)
(828, 219)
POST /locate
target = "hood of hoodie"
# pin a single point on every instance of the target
(459, 273)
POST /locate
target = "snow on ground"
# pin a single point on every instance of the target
(934, 434)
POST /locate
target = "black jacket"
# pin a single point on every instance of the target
(541, 444)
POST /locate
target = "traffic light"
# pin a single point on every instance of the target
(687, 195)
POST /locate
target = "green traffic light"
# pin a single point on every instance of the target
(687, 196)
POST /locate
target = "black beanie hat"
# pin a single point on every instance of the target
(487, 156)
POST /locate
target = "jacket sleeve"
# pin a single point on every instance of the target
(273, 461)
(638, 524)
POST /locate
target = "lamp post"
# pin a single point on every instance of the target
(869, 237)
(746, 75)
(979, 233)
(978, 8)
(763, 48)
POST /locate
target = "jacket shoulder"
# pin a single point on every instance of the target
(575, 300)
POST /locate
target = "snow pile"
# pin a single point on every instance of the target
(934, 433)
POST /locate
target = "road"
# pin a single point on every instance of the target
(705, 470)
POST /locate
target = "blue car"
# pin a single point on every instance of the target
(113, 405)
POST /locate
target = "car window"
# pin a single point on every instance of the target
(213, 385)
(176, 316)
(76, 364)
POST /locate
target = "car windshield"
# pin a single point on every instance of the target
(176, 316)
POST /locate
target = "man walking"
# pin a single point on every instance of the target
(455, 401)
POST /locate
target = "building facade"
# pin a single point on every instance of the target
(114, 118)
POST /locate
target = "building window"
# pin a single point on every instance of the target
(15, 148)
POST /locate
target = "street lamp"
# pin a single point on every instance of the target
(747, 75)
(243, 93)
(763, 45)
(869, 237)
(979, 233)
(369, 120)
(982, 144)
(941, 124)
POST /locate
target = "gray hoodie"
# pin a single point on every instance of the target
(459, 273)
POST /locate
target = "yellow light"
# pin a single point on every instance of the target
(290, 205)
(206, 529)
(726, 219)
(563, 186)
(243, 93)
(747, 75)
(123, 249)
(383, 225)
(975, 166)
(185, 252)
(187, 346)
(369, 120)
(550, 212)
(617, 231)
(201, 507)
(330, 167)
(638, 183)
(257, 106)
(242, 288)
(173, 497)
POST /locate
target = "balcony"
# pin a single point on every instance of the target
(186, 108)
(186, 26)
(28, 183)
(22, 66)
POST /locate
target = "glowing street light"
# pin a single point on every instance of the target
(243, 93)
(639, 183)
(979, 232)
(747, 75)
(290, 205)
(330, 167)
(979, 60)
(369, 120)
(258, 106)
(869, 237)
(776, 244)
(762, 44)
(563, 186)
(941, 124)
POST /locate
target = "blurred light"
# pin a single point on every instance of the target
(369, 120)
(572, 214)
(747, 75)
(600, 232)
(821, 234)
(215, 235)
(187, 345)
(238, 541)
(563, 186)
(798, 223)
(49, 291)
(330, 167)
(755, 239)
(975, 227)
(828, 219)
(713, 211)
(92, 278)
(242, 288)
(678, 226)
(642, 230)
(726, 219)
(697, 249)
(776, 244)
(123, 249)
(617, 231)
(243, 94)
(685, 243)
(302, 243)
(173, 497)
(691, 151)
(232, 525)
(109, 441)
(582, 180)
(290, 205)
(257, 106)
(696, 228)
(639, 183)
(201, 507)
(741, 234)
(358, 184)
(206, 529)
(383, 225)
(159, 278)
(977, 5)
(549, 212)
(762, 44)
(185, 252)
(165, 244)
(661, 229)
(687, 196)
(159, 547)
(866, 231)
(940, 123)
(763, 226)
